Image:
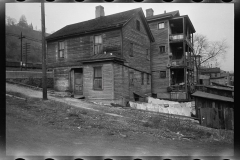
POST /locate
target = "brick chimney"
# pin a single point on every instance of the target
(99, 11)
(149, 12)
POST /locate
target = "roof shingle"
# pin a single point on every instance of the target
(212, 96)
(104, 22)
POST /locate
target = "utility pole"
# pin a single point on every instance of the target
(21, 49)
(44, 78)
(27, 50)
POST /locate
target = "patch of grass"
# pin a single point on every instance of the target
(176, 125)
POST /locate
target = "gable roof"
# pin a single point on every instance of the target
(97, 24)
(212, 96)
(164, 15)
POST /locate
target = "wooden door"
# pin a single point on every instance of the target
(78, 82)
(209, 117)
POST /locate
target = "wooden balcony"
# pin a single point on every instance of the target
(176, 37)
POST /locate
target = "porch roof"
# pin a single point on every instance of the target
(212, 96)
(103, 57)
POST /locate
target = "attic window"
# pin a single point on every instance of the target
(138, 25)
(161, 25)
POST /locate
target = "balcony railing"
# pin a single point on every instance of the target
(177, 62)
(177, 88)
(174, 37)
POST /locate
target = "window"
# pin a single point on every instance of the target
(142, 77)
(162, 74)
(148, 55)
(97, 44)
(160, 25)
(131, 78)
(131, 50)
(148, 79)
(162, 49)
(61, 49)
(138, 25)
(97, 78)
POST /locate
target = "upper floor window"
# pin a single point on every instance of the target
(162, 49)
(98, 44)
(61, 49)
(142, 77)
(147, 54)
(162, 74)
(131, 78)
(148, 79)
(138, 25)
(131, 50)
(97, 78)
(160, 25)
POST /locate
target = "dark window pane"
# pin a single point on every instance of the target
(162, 74)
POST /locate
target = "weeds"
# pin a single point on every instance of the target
(176, 125)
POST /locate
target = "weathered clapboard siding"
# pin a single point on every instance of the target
(137, 86)
(118, 81)
(107, 82)
(140, 41)
(160, 60)
(61, 79)
(112, 42)
(81, 47)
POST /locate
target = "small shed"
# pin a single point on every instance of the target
(214, 111)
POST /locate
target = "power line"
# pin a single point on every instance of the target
(26, 37)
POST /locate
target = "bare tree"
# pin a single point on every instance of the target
(208, 51)
(10, 21)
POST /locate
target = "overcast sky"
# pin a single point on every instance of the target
(216, 21)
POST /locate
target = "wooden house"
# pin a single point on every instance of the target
(172, 55)
(213, 110)
(103, 59)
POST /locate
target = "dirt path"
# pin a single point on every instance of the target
(32, 130)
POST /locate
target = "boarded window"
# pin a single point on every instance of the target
(162, 49)
(131, 50)
(98, 44)
(148, 79)
(162, 74)
(131, 78)
(97, 79)
(160, 25)
(61, 49)
(142, 78)
(138, 25)
(148, 54)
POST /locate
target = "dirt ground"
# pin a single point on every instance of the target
(67, 126)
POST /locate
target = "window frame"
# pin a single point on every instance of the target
(142, 78)
(98, 44)
(60, 49)
(131, 78)
(131, 50)
(148, 79)
(148, 54)
(97, 78)
(138, 25)
(161, 23)
(162, 51)
(160, 75)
